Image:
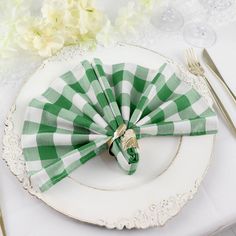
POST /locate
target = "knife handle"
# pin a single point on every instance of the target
(224, 84)
(221, 106)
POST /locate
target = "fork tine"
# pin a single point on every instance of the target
(191, 59)
(188, 57)
(191, 54)
(193, 62)
(194, 56)
(198, 64)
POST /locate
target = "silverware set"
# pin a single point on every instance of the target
(196, 68)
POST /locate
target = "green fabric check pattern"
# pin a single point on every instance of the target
(72, 121)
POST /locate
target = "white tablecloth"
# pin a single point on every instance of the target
(212, 208)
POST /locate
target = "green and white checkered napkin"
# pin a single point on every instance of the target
(72, 121)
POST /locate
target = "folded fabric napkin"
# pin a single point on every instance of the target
(95, 107)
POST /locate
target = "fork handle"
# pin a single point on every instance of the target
(220, 106)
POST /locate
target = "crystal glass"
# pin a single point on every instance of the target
(201, 34)
(217, 5)
(168, 18)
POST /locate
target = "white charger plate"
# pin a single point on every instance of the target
(170, 168)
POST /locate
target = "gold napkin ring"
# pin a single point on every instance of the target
(129, 139)
(118, 133)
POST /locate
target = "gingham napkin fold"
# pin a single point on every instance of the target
(73, 120)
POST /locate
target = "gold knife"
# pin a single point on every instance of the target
(2, 227)
(212, 67)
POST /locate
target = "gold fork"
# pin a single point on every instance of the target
(196, 68)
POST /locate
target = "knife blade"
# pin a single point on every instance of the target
(214, 70)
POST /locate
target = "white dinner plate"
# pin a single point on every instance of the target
(170, 168)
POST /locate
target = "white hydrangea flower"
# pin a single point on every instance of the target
(39, 37)
(64, 22)
(12, 13)
(132, 16)
(128, 18)
(147, 4)
(54, 11)
(107, 36)
(77, 20)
